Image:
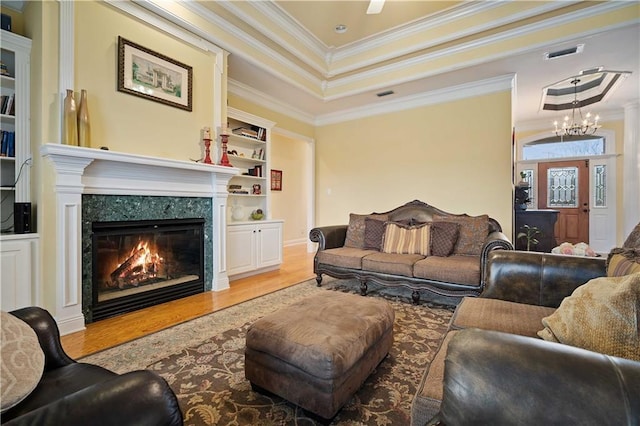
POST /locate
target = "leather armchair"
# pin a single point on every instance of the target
(541, 279)
(504, 379)
(73, 393)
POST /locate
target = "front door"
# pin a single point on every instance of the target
(564, 186)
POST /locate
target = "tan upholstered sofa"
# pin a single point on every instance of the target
(493, 367)
(416, 246)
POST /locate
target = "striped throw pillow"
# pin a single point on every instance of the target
(405, 239)
(620, 265)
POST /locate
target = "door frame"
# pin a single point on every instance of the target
(602, 220)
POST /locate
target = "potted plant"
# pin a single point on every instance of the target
(529, 234)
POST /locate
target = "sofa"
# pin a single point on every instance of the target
(42, 385)
(416, 246)
(532, 348)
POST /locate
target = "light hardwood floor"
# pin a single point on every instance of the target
(297, 266)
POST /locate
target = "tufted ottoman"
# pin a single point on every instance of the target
(316, 353)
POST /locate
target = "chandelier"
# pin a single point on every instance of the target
(577, 125)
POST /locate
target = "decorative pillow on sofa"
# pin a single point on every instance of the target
(444, 236)
(22, 361)
(623, 261)
(633, 240)
(355, 231)
(600, 316)
(373, 233)
(406, 239)
(473, 231)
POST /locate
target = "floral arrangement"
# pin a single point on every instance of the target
(580, 249)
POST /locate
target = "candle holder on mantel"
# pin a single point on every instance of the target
(224, 139)
(207, 146)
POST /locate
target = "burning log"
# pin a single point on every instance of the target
(129, 266)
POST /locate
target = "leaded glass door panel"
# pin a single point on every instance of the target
(564, 186)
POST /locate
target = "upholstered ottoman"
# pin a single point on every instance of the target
(317, 352)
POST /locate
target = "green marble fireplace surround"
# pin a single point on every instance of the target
(116, 208)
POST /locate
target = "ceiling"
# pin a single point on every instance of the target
(296, 62)
(312, 23)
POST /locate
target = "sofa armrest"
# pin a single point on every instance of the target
(504, 379)
(537, 278)
(48, 335)
(135, 398)
(329, 237)
(496, 240)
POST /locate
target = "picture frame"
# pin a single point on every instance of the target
(154, 76)
(276, 180)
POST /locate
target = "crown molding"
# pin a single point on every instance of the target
(453, 93)
(428, 24)
(262, 99)
(292, 135)
(283, 21)
(475, 44)
(375, 74)
(462, 91)
(238, 34)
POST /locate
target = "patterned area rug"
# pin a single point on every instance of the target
(203, 362)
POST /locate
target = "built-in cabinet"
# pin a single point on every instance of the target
(254, 248)
(15, 156)
(19, 253)
(254, 238)
(19, 271)
(248, 149)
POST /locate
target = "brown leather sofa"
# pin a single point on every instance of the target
(341, 255)
(494, 378)
(74, 393)
(492, 368)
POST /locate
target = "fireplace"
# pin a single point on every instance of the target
(141, 263)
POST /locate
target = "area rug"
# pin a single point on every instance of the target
(203, 362)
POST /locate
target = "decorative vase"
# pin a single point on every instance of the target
(237, 212)
(70, 120)
(84, 127)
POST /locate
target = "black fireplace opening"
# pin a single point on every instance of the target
(137, 264)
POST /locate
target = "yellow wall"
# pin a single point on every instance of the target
(455, 156)
(128, 123)
(41, 26)
(289, 155)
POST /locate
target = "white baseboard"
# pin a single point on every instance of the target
(295, 242)
(70, 325)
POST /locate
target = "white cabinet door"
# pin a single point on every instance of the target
(17, 275)
(253, 248)
(269, 244)
(241, 248)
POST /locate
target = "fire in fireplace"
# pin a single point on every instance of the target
(137, 264)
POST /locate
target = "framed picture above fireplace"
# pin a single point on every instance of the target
(154, 76)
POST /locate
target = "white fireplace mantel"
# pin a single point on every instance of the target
(94, 171)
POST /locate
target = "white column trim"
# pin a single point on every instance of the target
(69, 187)
(631, 159)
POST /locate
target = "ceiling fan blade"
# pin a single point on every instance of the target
(375, 7)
